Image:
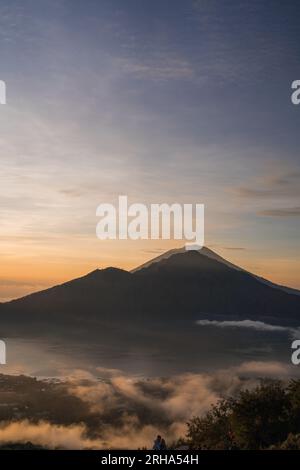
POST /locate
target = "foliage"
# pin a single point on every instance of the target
(267, 416)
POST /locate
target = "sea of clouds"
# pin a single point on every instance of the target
(126, 412)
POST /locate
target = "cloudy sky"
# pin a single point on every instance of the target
(165, 101)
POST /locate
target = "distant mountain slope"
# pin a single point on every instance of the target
(194, 282)
(211, 254)
(179, 287)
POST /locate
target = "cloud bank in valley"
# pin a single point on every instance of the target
(46, 434)
(254, 325)
(111, 409)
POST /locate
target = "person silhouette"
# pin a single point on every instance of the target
(157, 443)
(163, 445)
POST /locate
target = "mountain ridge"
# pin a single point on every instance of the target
(185, 286)
(205, 251)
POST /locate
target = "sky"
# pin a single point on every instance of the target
(163, 101)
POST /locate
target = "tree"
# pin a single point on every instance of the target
(254, 419)
(260, 417)
(211, 431)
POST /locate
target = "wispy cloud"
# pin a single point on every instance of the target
(283, 212)
(159, 68)
(47, 434)
(251, 324)
(253, 193)
(283, 184)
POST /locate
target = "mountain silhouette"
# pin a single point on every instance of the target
(179, 286)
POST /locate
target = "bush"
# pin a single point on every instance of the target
(256, 419)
